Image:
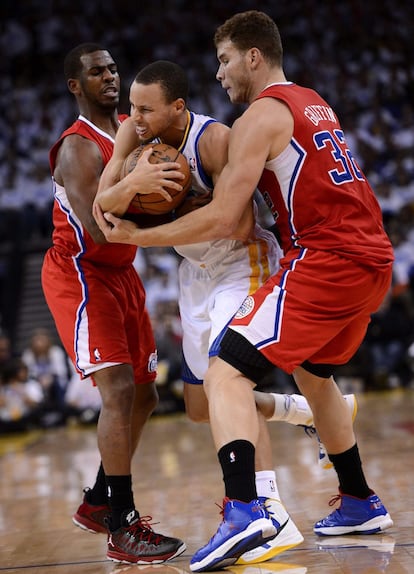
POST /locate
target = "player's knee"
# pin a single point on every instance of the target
(116, 387)
(197, 413)
(146, 397)
(198, 417)
(238, 352)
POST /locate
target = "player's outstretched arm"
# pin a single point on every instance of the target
(227, 215)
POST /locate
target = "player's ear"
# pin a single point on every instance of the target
(179, 104)
(73, 86)
(255, 56)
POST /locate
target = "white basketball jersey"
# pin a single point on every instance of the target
(206, 253)
(215, 276)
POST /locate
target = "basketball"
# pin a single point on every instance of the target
(154, 203)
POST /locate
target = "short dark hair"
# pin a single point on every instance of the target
(12, 368)
(72, 65)
(253, 29)
(170, 76)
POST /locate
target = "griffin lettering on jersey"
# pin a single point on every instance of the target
(317, 114)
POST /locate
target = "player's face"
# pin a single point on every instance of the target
(152, 115)
(233, 73)
(99, 80)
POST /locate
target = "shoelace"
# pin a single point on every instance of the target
(225, 500)
(269, 509)
(309, 430)
(143, 527)
(323, 458)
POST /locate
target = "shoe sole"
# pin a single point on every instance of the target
(287, 538)
(256, 534)
(372, 526)
(123, 559)
(89, 528)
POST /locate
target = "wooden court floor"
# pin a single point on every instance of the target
(177, 481)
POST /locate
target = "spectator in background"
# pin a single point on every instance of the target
(21, 398)
(47, 363)
(83, 401)
(168, 335)
(387, 341)
(5, 351)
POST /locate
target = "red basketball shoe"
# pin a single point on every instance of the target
(91, 517)
(136, 543)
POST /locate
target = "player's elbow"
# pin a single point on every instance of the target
(225, 226)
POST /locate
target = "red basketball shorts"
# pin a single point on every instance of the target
(316, 308)
(100, 315)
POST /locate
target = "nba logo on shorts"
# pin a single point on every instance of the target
(246, 308)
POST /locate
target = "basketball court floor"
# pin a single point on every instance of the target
(177, 481)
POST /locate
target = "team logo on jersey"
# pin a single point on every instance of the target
(246, 307)
(152, 362)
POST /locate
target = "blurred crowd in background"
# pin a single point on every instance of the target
(358, 55)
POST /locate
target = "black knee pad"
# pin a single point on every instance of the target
(243, 356)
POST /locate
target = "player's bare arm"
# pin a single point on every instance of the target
(214, 146)
(78, 168)
(251, 144)
(115, 194)
(277, 121)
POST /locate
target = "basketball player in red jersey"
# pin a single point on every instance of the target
(98, 303)
(313, 314)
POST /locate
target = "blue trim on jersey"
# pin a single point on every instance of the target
(206, 179)
(280, 301)
(77, 262)
(187, 374)
(215, 347)
(295, 174)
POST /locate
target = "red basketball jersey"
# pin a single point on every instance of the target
(315, 189)
(93, 291)
(70, 238)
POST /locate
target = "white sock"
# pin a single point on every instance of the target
(266, 484)
(294, 409)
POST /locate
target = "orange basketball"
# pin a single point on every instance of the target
(154, 203)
